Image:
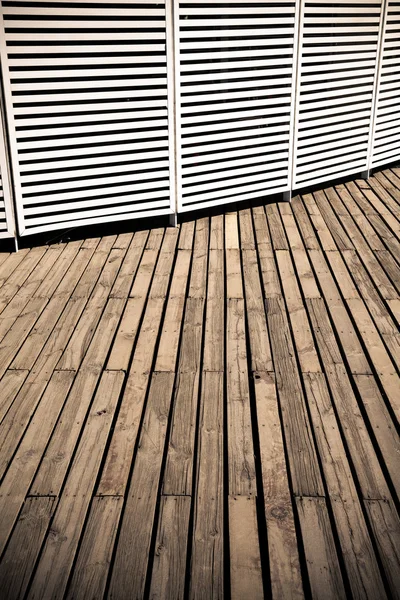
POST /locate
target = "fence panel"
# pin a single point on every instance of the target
(387, 128)
(86, 96)
(236, 90)
(338, 62)
(7, 224)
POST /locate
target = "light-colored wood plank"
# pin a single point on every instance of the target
(53, 569)
(231, 231)
(122, 347)
(319, 549)
(234, 285)
(303, 339)
(241, 467)
(178, 474)
(278, 235)
(192, 336)
(247, 241)
(213, 359)
(217, 232)
(123, 282)
(284, 561)
(303, 460)
(386, 529)
(89, 576)
(169, 566)
(10, 386)
(86, 327)
(19, 559)
(269, 273)
(21, 274)
(207, 564)
(117, 466)
(198, 276)
(20, 474)
(245, 563)
(132, 553)
(186, 235)
(357, 550)
(261, 358)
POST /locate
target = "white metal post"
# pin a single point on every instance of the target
(377, 85)
(173, 64)
(295, 104)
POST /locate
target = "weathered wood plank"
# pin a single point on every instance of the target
(278, 235)
(178, 474)
(265, 254)
(284, 561)
(20, 474)
(241, 468)
(357, 550)
(19, 559)
(213, 358)
(192, 336)
(186, 235)
(261, 358)
(10, 386)
(303, 339)
(247, 241)
(123, 282)
(169, 567)
(207, 564)
(234, 284)
(245, 563)
(89, 576)
(319, 548)
(231, 231)
(53, 569)
(198, 276)
(132, 553)
(386, 529)
(86, 327)
(23, 273)
(301, 451)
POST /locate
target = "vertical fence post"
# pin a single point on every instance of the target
(173, 63)
(377, 85)
(295, 100)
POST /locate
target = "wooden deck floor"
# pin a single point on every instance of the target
(209, 411)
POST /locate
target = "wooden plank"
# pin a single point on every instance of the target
(245, 562)
(52, 572)
(234, 285)
(241, 467)
(51, 316)
(20, 557)
(261, 358)
(265, 254)
(20, 274)
(192, 336)
(123, 282)
(217, 232)
(116, 469)
(386, 529)
(132, 553)
(127, 331)
(303, 339)
(285, 572)
(123, 240)
(344, 328)
(87, 325)
(304, 224)
(144, 274)
(319, 549)
(213, 358)
(198, 276)
(384, 429)
(9, 266)
(207, 564)
(178, 474)
(357, 551)
(162, 274)
(247, 241)
(186, 235)
(306, 479)
(89, 575)
(278, 235)
(231, 231)
(321, 231)
(169, 566)
(10, 386)
(20, 474)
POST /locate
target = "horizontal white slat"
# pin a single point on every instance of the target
(233, 124)
(103, 49)
(97, 181)
(345, 158)
(118, 147)
(68, 74)
(227, 23)
(332, 152)
(64, 97)
(239, 33)
(64, 132)
(62, 119)
(235, 190)
(85, 25)
(340, 173)
(76, 85)
(35, 36)
(194, 164)
(310, 124)
(322, 146)
(197, 203)
(232, 10)
(235, 174)
(98, 107)
(67, 11)
(238, 134)
(262, 140)
(274, 95)
(244, 65)
(148, 200)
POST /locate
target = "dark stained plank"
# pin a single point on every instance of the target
(19, 559)
(319, 548)
(132, 553)
(169, 566)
